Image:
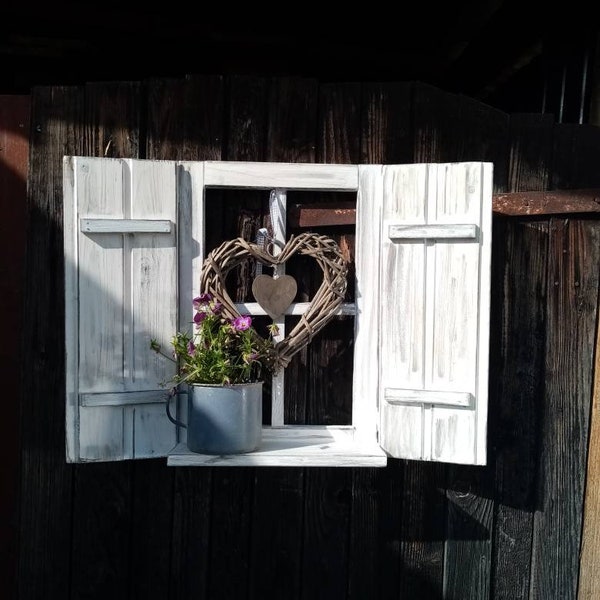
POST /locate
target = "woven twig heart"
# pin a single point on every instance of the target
(322, 307)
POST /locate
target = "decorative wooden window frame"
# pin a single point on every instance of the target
(388, 419)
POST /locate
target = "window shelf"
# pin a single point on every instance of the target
(293, 446)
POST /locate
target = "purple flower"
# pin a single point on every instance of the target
(202, 299)
(199, 317)
(217, 307)
(242, 323)
(191, 347)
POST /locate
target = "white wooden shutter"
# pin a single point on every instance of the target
(432, 313)
(121, 277)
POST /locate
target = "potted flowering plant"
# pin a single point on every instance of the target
(223, 363)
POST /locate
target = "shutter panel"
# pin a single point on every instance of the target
(121, 274)
(434, 311)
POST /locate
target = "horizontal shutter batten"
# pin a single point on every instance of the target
(453, 231)
(123, 398)
(125, 226)
(429, 397)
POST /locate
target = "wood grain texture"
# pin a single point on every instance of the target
(590, 538)
(277, 515)
(377, 494)
(329, 491)
(422, 529)
(435, 322)
(574, 247)
(46, 481)
(385, 123)
(454, 128)
(202, 124)
(517, 359)
(14, 163)
(233, 489)
(468, 547)
(117, 316)
(154, 510)
(102, 498)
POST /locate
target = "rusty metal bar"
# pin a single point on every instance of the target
(507, 204)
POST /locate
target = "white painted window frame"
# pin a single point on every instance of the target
(283, 445)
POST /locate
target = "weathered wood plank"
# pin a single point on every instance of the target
(14, 163)
(202, 124)
(517, 359)
(452, 128)
(377, 495)
(590, 538)
(574, 255)
(46, 481)
(153, 484)
(468, 547)
(277, 518)
(233, 489)
(102, 499)
(329, 491)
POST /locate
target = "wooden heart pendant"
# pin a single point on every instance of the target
(276, 297)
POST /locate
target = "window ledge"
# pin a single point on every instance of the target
(293, 446)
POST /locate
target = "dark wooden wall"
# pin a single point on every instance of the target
(14, 156)
(412, 530)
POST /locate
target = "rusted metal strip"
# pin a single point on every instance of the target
(320, 215)
(509, 204)
(547, 203)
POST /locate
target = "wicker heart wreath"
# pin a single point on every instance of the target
(322, 307)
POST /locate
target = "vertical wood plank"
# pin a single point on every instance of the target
(572, 295)
(574, 255)
(102, 501)
(453, 128)
(329, 491)
(152, 482)
(233, 489)
(518, 341)
(378, 494)
(46, 479)
(590, 542)
(201, 123)
(277, 519)
(14, 163)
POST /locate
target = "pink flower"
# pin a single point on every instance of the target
(242, 323)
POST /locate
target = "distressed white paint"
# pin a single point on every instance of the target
(121, 292)
(294, 446)
(277, 210)
(422, 307)
(435, 322)
(120, 398)
(400, 396)
(437, 232)
(125, 226)
(366, 326)
(290, 176)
